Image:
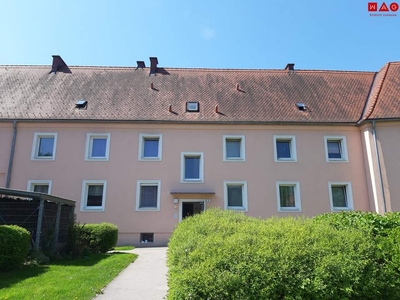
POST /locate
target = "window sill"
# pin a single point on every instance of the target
(237, 208)
(150, 159)
(337, 160)
(97, 159)
(148, 209)
(44, 158)
(192, 181)
(294, 209)
(100, 209)
(342, 209)
(232, 159)
(285, 160)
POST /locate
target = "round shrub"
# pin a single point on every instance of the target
(103, 237)
(14, 246)
(226, 255)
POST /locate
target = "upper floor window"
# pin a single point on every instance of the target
(336, 149)
(150, 146)
(341, 196)
(192, 167)
(39, 186)
(97, 146)
(93, 195)
(288, 195)
(234, 148)
(44, 146)
(285, 148)
(235, 195)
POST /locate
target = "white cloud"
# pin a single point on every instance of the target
(207, 33)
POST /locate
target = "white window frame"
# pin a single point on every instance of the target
(349, 195)
(89, 145)
(32, 183)
(85, 190)
(244, 207)
(297, 198)
(201, 167)
(293, 151)
(343, 147)
(36, 142)
(242, 157)
(148, 183)
(142, 138)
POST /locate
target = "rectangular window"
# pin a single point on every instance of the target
(148, 195)
(285, 148)
(234, 148)
(150, 147)
(97, 146)
(39, 186)
(340, 195)
(146, 238)
(335, 149)
(235, 195)
(192, 167)
(44, 146)
(288, 195)
(93, 195)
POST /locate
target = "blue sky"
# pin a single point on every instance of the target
(324, 34)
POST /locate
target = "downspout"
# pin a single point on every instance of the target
(379, 165)
(11, 154)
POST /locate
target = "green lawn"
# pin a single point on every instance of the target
(78, 279)
(123, 248)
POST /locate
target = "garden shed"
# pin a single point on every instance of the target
(45, 216)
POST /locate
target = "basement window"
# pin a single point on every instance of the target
(192, 106)
(146, 238)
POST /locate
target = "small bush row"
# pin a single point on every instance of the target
(14, 246)
(226, 255)
(91, 238)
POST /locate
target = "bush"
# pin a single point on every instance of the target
(226, 255)
(369, 222)
(95, 238)
(14, 246)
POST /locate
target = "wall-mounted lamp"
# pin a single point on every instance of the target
(208, 200)
(176, 201)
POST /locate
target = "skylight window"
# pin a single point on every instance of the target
(301, 106)
(81, 104)
(192, 106)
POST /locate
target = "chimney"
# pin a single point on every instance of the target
(58, 64)
(289, 67)
(153, 65)
(140, 64)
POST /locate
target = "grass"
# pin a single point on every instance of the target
(78, 279)
(123, 248)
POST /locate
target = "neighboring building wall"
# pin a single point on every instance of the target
(6, 130)
(388, 136)
(123, 169)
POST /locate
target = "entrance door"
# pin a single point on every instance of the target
(189, 208)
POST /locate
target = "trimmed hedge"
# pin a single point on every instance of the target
(14, 246)
(95, 238)
(226, 255)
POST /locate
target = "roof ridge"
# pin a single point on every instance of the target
(194, 69)
(379, 88)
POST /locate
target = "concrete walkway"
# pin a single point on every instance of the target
(145, 279)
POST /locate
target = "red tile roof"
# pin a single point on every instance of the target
(125, 94)
(387, 102)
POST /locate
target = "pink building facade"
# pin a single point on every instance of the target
(146, 147)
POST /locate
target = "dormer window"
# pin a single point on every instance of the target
(192, 106)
